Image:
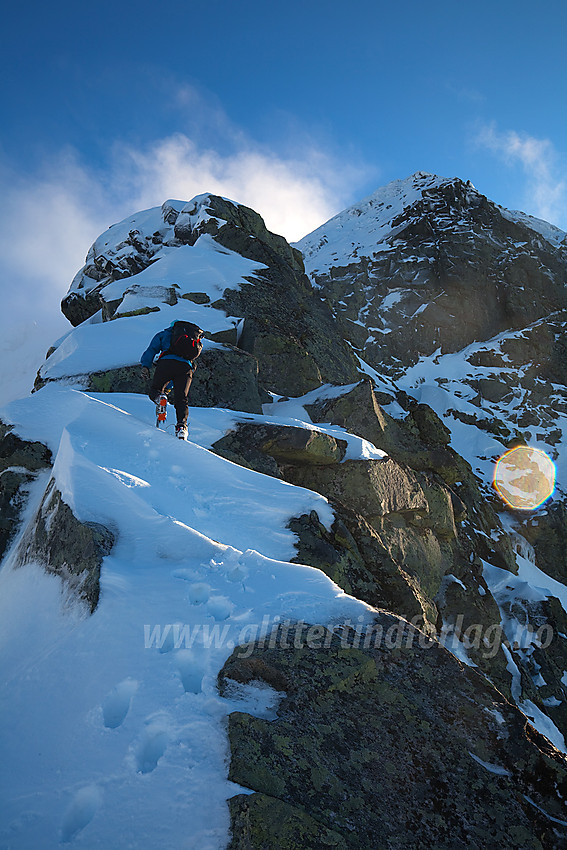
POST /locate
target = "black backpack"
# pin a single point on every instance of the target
(186, 340)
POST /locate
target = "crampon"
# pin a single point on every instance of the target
(161, 410)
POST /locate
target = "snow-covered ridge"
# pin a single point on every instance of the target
(113, 723)
(361, 228)
(364, 228)
(554, 235)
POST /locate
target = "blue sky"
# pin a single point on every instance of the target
(297, 109)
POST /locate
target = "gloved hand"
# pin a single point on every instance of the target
(145, 373)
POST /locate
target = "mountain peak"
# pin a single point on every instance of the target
(362, 227)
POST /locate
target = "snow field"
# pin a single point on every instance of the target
(113, 730)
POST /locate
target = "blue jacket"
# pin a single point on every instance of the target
(160, 342)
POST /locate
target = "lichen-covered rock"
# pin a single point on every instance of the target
(260, 822)
(412, 515)
(356, 558)
(392, 744)
(63, 545)
(227, 377)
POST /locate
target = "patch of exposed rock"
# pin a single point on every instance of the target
(20, 462)
(66, 547)
(392, 744)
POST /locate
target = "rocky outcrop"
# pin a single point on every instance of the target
(271, 448)
(20, 462)
(261, 821)
(403, 539)
(383, 739)
(66, 547)
(546, 531)
(288, 329)
(420, 441)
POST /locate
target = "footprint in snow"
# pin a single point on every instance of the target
(117, 703)
(190, 671)
(80, 813)
(199, 593)
(152, 747)
(220, 607)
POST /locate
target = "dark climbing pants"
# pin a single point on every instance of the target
(181, 374)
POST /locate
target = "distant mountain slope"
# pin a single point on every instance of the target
(429, 263)
(462, 302)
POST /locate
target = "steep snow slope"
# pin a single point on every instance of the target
(112, 724)
(364, 228)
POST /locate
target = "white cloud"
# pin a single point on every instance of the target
(294, 195)
(49, 219)
(546, 185)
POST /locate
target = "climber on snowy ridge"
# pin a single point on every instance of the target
(180, 344)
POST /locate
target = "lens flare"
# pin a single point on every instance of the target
(524, 477)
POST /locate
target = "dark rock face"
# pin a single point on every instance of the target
(390, 745)
(66, 547)
(460, 271)
(20, 461)
(236, 223)
(547, 533)
(287, 327)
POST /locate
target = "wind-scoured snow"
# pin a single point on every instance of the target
(113, 729)
(554, 235)
(361, 230)
(204, 267)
